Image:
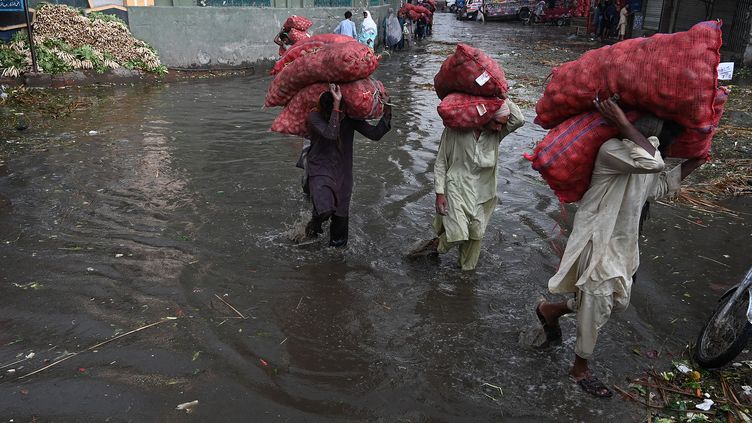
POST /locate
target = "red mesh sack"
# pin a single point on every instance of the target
(361, 100)
(565, 157)
(673, 76)
(466, 112)
(292, 119)
(303, 48)
(297, 36)
(340, 62)
(695, 143)
(470, 71)
(301, 23)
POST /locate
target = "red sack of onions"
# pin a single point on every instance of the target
(361, 100)
(465, 112)
(565, 157)
(301, 23)
(303, 48)
(673, 76)
(470, 71)
(340, 62)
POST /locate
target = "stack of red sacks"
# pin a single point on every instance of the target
(296, 28)
(673, 76)
(469, 85)
(413, 11)
(305, 72)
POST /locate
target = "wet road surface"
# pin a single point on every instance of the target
(182, 195)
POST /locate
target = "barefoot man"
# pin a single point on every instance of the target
(602, 254)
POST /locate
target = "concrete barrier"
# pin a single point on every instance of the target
(219, 37)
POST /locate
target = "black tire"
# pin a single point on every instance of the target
(560, 22)
(524, 16)
(453, 8)
(733, 325)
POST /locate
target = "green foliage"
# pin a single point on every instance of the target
(49, 62)
(99, 16)
(9, 57)
(87, 52)
(140, 65)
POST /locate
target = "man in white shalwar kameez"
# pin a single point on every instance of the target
(465, 185)
(602, 253)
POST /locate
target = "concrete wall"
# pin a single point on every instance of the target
(206, 37)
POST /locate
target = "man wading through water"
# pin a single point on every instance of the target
(602, 253)
(330, 162)
(465, 185)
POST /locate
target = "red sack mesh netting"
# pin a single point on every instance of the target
(361, 100)
(341, 62)
(465, 112)
(470, 71)
(297, 35)
(695, 143)
(301, 23)
(414, 9)
(670, 75)
(566, 156)
(313, 43)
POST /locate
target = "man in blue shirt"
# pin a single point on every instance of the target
(347, 26)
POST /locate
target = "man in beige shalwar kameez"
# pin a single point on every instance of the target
(602, 253)
(465, 185)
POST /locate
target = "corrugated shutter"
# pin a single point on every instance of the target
(653, 11)
(735, 38)
(690, 12)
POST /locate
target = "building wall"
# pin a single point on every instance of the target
(206, 37)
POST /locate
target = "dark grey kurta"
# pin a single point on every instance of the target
(330, 162)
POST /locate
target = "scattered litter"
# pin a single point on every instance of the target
(93, 132)
(188, 407)
(747, 389)
(705, 405)
(118, 255)
(682, 368)
(263, 362)
(89, 269)
(491, 391)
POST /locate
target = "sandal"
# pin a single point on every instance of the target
(425, 248)
(553, 332)
(593, 386)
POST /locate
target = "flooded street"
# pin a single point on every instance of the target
(175, 200)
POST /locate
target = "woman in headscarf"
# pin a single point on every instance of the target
(368, 30)
(392, 30)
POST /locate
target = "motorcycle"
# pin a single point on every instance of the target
(728, 330)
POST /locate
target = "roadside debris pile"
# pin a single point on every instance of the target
(304, 73)
(687, 395)
(673, 76)
(67, 40)
(469, 85)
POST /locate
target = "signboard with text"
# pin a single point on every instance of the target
(11, 5)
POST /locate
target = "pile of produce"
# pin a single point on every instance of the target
(295, 27)
(66, 40)
(673, 76)
(413, 11)
(469, 84)
(306, 70)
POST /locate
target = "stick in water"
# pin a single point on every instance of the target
(95, 347)
(230, 305)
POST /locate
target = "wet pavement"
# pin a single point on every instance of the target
(182, 197)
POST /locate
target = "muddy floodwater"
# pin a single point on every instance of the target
(174, 200)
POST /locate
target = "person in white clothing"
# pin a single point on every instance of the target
(602, 253)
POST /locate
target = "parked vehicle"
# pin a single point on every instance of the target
(469, 10)
(728, 330)
(557, 15)
(508, 9)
